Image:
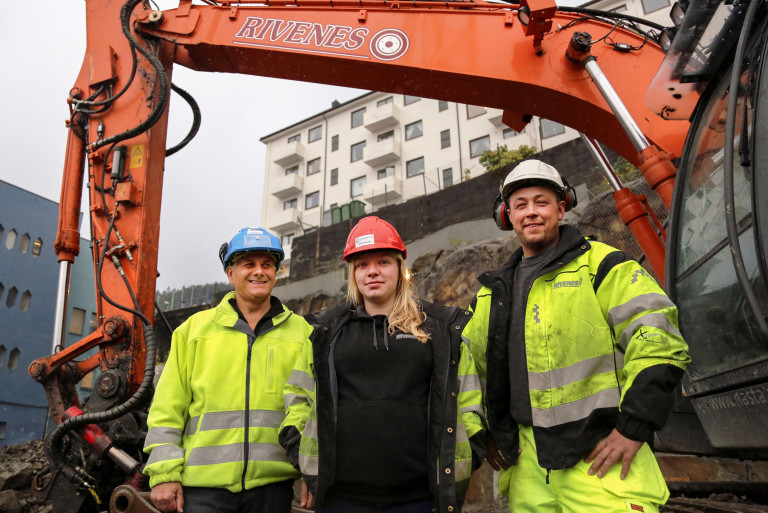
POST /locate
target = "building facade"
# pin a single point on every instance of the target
(28, 281)
(381, 149)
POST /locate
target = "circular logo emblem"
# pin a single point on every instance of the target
(389, 44)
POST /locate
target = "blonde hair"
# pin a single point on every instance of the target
(406, 314)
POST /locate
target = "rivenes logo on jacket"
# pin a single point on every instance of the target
(567, 283)
(386, 45)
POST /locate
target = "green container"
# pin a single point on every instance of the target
(335, 215)
(357, 208)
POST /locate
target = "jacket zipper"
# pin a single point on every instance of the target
(247, 413)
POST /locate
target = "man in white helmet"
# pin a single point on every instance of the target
(579, 350)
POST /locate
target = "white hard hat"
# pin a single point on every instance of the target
(532, 172)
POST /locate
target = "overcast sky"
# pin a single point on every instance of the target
(212, 187)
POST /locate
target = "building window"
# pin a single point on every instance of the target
(654, 5)
(479, 145)
(76, 321)
(447, 177)
(381, 103)
(334, 176)
(335, 142)
(383, 173)
(291, 203)
(87, 382)
(292, 170)
(385, 136)
(13, 358)
(509, 133)
(413, 130)
(94, 322)
(356, 151)
(414, 167)
(294, 138)
(315, 133)
(10, 299)
(356, 186)
(357, 117)
(312, 200)
(473, 111)
(620, 8)
(313, 166)
(408, 99)
(25, 299)
(445, 139)
(37, 246)
(24, 243)
(550, 128)
(10, 240)
(441, 106)
(287, 240)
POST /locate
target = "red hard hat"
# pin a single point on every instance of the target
(373, 233)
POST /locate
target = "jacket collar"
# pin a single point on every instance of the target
(570, 240)
(227, 314)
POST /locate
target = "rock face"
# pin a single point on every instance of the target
(23, 468)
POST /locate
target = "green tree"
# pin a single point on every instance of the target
(501, 156)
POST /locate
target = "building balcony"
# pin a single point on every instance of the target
(388, 190)
(494, 116)
(284, 220)
(290, 154)
(288, 186)
(386, 116)
(383, 153)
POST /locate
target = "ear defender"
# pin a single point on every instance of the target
(501, 214)
(569, 195)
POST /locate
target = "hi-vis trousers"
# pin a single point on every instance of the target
(573, 490)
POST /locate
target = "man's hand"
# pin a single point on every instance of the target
(168, 497)
(615, 447)
(307, 499)
(493, 456)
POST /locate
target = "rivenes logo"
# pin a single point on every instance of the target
(387, 44)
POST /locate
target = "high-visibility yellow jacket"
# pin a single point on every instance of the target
(219, 402)
(596, 347)
(456, 434)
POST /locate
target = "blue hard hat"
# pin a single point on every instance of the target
(251, 239)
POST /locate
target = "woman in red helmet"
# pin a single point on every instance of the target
(384, 405)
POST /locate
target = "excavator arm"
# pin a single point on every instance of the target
(477, 53)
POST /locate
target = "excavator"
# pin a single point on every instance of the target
(659, 96)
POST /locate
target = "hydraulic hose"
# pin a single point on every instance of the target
(728, 189)
(162, 78)
(196, 118)
(616, 15)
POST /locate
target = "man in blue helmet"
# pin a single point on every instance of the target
(213, 424)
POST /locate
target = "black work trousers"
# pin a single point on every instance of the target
(271, 498)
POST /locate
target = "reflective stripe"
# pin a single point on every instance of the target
(461, 433)
(469, 383)
(558, 378)
(576, 410)
(638, 304)
(294, 399)
(167, 452)
(191, 426)
(309, 465)
(652, 320)
(234, 419)
(232, 453)
(466, 342)
(463, 470)
(310, 429)
(301, 379)
(474, 408)
(163, 435)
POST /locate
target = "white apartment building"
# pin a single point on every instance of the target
(382, 149)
